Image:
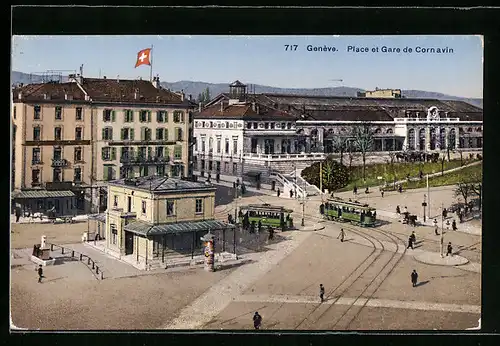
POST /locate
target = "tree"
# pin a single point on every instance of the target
(363, 140)
(339, 144)
(334, 175)
(464, 190)
(443, 158)
(350, 154)
(204, 97)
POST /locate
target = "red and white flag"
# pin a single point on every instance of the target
(144, 57)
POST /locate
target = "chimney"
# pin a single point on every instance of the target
(20, 95)
(182, 96)
(118, 79)
(156, 82)
(221, 107)
(190, 97)
(45, 96)
(135, 93)
(253, 106)
(65, 95)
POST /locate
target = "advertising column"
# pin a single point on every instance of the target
(209, 252)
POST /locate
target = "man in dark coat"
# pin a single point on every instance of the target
(257, 320)
(410, 243)
(414, 278)
(18, 214)
(321, 292)
(278, 192)
(40, 273)
(341, 235)
(291, 193)
(449, 249)
(454, 225)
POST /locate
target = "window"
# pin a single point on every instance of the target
(58, 133)
(160, 171)
(218, 145)
(78, 134)
(77, 177)
(289, 126)
(57, 154)
(108, 115)
(109, 173)
(143, 207)
(142, 152)
(115, 201)
(78, 154)
(283, 126)
(35, 176)
(203, 144)
(36, 156)
(160, 134)
(191, 118)
(226, 149)
(159, 152)
(143, 171)
(178, 152)
(56, 175)
(199, 206)
(210, 145)
(36, 114)
(108, 154)
(170, 208)
(129, 116)
(79, 113)
(145, 116)
(235, 146)
(114, 234)
(107, 133)
(58, 113)
(178, 133)
(249, 126)
(145, 134)
(266, 126)
(14, 112)
(178, 117)
(161, 116)
(127, 134)
(255, 126)
(272, 126)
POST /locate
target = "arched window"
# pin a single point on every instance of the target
(411, 139)
(421, 139)
(432, 138)
(389, 131)
(378, 131)
(452, 139)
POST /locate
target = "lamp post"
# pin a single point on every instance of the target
(424, 204)
(303, 204)
(442, 231)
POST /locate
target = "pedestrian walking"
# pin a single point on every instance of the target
(257, 320)
(382, 192)
(436, 230)
(259, 225)
(278, 192)
(445, 213)
(413, 237)
(449, 249)
(398, 211)
(406, 210)
(341, 235)
(355, 190)
(271, 232)
(410, 242)
(40, 273)
(447, 224)
(400, 188)
(18, 214)
(414, 278)
(321, 292)
(291, 193)
(454, 225)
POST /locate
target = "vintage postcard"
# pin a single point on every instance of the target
(298, 183)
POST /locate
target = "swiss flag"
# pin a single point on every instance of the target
(143, 57)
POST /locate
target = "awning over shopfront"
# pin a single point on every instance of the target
(146, 229)
(98, 217)
(39, 194)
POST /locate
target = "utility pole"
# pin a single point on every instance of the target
(303, 204)
(428, 198)
(321, 179)
(442, 230)
(424, 204)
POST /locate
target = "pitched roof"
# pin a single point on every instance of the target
(243, 111)
(51, 90)
(145, 228)
(349, 115)
(28, 194)
(162, 184)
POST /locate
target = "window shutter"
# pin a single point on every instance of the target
(131, 116)
(143, 133)
(122, 134)
(103, 115)
(165, 117)
(103, 153)
(125, 116)
(113, 153)
(113, 116)
(106, 173)
(110, 133)
(103, 133)
(150, 152)
(149, 116)
(158, 116)
(131, 134)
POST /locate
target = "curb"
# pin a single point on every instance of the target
(441, 265)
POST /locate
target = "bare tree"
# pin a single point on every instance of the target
(443, 159)
(464, 190)
(363, 140)
(339, 144)
(350, 154)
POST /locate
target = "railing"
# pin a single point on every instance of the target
(290, 184)
(303, 182)
(99, 274)
(36, 162)
(59, 162)
(144, 160)
(424, 120)
(284, 157)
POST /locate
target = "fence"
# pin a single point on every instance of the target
(82, 257)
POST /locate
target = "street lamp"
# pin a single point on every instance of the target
(303, 204)
(424, 204)
(442, 230)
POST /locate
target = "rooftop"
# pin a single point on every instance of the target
(162, 184)
(101, 90)
(243, 111)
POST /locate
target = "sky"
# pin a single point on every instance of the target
(264, 60)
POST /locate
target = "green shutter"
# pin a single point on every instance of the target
(150, 152)
(122, 134)
(110, 133)
(103, 151)
(178, 152)
(113, 116)
(149, 116)
(103, 115)
(106, 173)
(113, 153)
(131, 116)
(125, 116)
(143, 133)
(131, 134)
(165, 117)
(103, 134)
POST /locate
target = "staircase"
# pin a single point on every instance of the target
(311, 190)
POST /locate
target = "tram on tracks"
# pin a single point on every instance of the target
(354, 212)
(276, 217)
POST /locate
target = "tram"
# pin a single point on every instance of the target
(348, 211)
(268, 215)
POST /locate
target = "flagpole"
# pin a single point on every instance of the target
(151, 65)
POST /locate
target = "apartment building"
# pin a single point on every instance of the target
(80, 134)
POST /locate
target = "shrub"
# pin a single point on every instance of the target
(335, 175)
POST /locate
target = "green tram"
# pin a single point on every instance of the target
(347, 211)
(268, 215)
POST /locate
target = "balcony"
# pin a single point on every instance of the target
(36, 162)
(141, 161)
(60, 163)
(284, 157)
